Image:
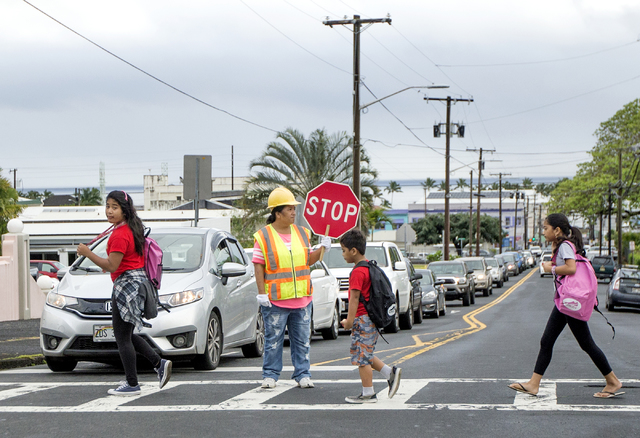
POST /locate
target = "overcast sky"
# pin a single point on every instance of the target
(543, 76)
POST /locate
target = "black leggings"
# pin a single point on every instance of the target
(128, 344)
(580, 329)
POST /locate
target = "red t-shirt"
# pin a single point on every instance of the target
(360, 280)
(121, 240)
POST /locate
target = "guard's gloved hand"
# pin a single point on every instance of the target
(263, 300)
(325, 241)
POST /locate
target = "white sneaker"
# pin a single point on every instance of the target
(305, 382)
(268, 383)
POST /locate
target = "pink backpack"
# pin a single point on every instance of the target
(153, 261)
(577, 294)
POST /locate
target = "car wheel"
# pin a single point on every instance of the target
(256, 349)
(333, 331)
(417, 315)
(611, 307)
(485, 293)
(394, 327)
(443, 312)
(59, 364)
(213, 347)
(436, 313)
(466, 298)
(500, 284)
(406, 321)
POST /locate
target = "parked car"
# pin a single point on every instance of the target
(327, 305)
(605, 267)
(511, 263)
(481, 274)
(388, 257)
(46, 267)
(208, 283)
(518, 260)
(416, 291)
(594, 251)
(536, 250)
(504, 262)
(529, 259)
(497, 270)
(33, 272)
(458, 280)
(433, 300)
(543, 259)
(624, 289)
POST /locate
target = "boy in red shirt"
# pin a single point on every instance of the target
(364, 333)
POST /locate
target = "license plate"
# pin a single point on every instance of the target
(635, 290)
(103, 333)
(602, 268)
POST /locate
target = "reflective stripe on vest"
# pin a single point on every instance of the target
(287, 272)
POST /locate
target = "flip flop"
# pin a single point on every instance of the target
(609, 394)
(522, 389)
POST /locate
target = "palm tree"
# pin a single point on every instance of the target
(427, 184)
(527, 183)
(392, 188)
(300, 164)
(461, 183)
(90, 196)
(377, 217)
(9, 208)
(443, 186)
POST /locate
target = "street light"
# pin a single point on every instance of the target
(356, 134)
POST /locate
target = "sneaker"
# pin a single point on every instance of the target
(164, 372)
(268, 383)
(126, 390)
(394, 381)
(305, 382)
(360, 399)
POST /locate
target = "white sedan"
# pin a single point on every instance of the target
(544, 258)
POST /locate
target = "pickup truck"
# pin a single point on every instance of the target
(604, 266)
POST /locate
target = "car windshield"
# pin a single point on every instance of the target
(476, 265)
(447, 268)
(181, 252)
(602, 261)
(426, 278)
(334, 258)
(509, 258)
(491, 262)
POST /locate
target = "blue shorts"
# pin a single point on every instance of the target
(364, 336)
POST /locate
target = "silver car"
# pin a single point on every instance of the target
(481, 274)
(208, 284)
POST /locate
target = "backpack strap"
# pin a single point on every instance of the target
(595, 307)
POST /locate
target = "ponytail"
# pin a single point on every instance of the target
(272, 217)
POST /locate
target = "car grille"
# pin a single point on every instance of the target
(92, 308)
(86, 343)
(344, 284)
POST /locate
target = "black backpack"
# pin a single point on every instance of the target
(150, 300)
(381, 305)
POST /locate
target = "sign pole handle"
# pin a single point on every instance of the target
(322, 249)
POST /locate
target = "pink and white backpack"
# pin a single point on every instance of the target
(577, 294)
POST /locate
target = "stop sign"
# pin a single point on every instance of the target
(331, 209)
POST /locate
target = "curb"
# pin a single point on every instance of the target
(21, 361)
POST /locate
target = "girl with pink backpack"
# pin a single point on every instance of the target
(574, 300)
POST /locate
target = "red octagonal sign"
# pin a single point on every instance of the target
(331, 209)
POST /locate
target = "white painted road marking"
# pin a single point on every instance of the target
(258, 398)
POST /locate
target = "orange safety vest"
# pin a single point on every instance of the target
(286, 272)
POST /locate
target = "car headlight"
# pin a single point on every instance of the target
(461, 280)
(431, 294)
(182, 298)
(481, 277)
(60, 301)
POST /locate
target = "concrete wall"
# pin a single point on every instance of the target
(10, 284)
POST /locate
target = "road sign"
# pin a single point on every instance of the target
(632, 245)
(331, 209)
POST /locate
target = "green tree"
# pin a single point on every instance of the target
(9, 207)
(392, 188)
(428, 230)
(527, 183)
(443, 186)
(427, 185)
(90, 196)
(300, 164)
(461, 184)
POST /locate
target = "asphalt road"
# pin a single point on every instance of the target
(455, 375)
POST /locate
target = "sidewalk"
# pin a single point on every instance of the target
(20, 344)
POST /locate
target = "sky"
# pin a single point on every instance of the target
(543, 75)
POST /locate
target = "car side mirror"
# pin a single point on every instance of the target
(470, 271)
(231, 269)
(399, 266)
(417, 277)
(318, 273)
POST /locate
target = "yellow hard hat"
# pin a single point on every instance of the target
(281, 196)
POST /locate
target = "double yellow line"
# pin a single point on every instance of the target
(470, 318)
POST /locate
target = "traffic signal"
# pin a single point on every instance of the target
(533, 239)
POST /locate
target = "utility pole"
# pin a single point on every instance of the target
(480, 167)
(15, 180)
(357, 23)
(540, 223)
(515, 223)
(609, 225)
(534, 217)
(526, 223)
(231, 167)
(470, 209)
(619, 215)
(447, 156)
(500, 203)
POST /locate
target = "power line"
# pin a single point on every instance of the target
(149, 74)
(571, 58)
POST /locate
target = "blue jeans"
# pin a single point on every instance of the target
(298, 323)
